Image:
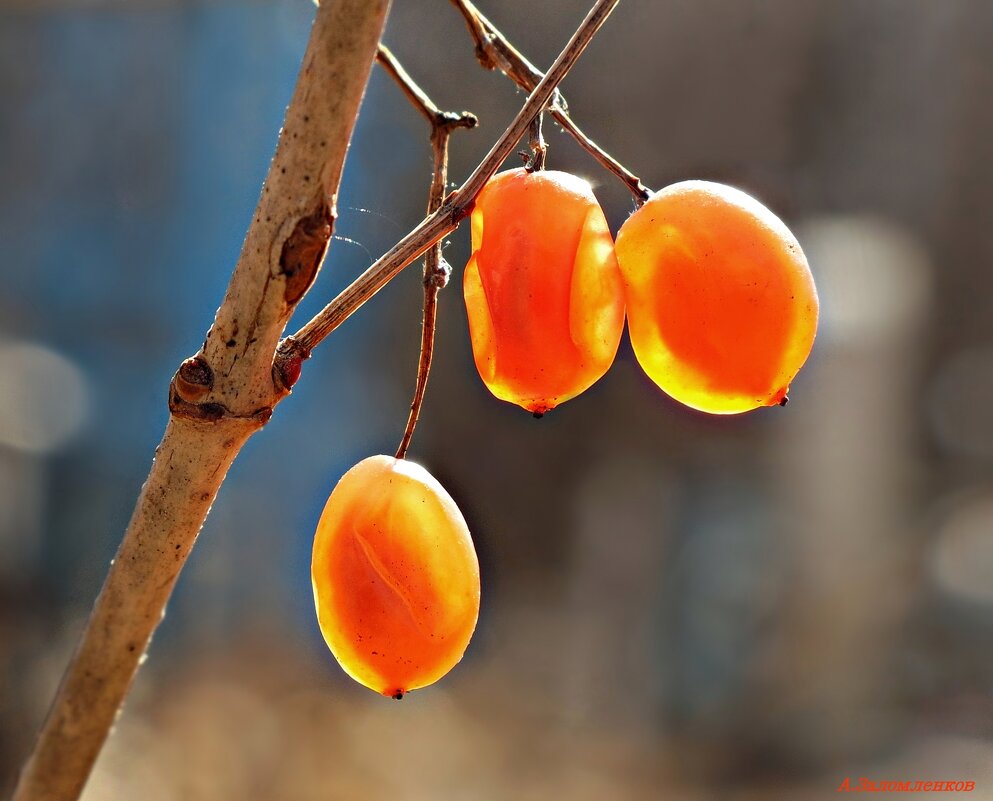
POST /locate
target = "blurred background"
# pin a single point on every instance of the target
(675, 606)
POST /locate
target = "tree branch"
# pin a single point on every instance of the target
(418, 98)
(453, 210)
(227, 392)
(218, 398)
(436, 270)
(494, 51)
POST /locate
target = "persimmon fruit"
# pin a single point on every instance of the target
(543, 293)
(395, 575)
(721, 305)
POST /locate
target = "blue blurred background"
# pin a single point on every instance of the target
(675, 605)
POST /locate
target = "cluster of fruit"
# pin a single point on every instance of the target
(722, 313)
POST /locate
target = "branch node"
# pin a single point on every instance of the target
(194, 378)
(206, 411)
(483, 50)
(211, 411)
(558, 102)
(450, 120)
(438, 277)
(288, 364)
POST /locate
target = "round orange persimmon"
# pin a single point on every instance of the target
(396, 580)
(721, 304)
(542, 289)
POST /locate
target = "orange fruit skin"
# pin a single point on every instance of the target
(542, 289)
(395, 574)
(721, 305)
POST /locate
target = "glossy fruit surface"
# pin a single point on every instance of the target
(542, 290)
(395, 575)
(722, 307)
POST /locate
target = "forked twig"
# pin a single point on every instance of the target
(494, 51)
(453, 210)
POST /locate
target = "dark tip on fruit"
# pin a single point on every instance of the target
(784, 400)
(537, 415)
(398, 695)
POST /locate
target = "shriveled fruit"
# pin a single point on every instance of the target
(396, 580)
(542, 290)
(721, 305)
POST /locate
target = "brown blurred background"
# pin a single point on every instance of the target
(675, 606)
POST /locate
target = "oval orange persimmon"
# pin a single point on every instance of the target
(721, 305)
(542, 290)
(396, 580)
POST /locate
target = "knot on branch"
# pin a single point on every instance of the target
(192, 383)
(558, 102)
(484, 50)
(288, 364)
(304, 249)
(448, 121)
(194, 379)
(210, 411)
(437, 276)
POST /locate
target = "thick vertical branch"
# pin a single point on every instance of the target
(218, 398)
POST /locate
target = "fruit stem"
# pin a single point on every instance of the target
(436, 269)
(539, 149)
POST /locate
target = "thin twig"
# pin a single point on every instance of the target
(494, 51)
(453, 210)
(436, 270)
(418, 97)
(436, 273)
